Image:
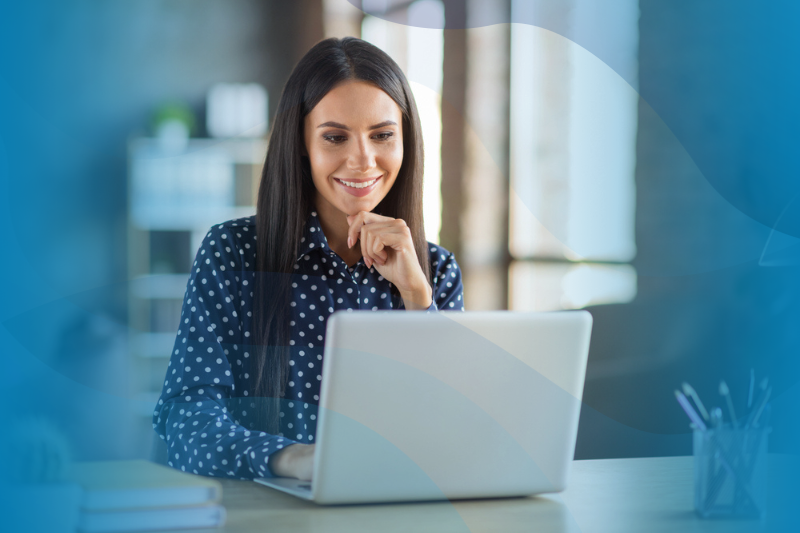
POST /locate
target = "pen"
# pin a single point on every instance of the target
(716, 417)
(725, 391)
(688, 390)
(693, 416)
(761, 406)
(715, 478)
(751, 416)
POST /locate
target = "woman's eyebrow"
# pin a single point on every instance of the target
(343, 127)
(333, 125)
(383, 124)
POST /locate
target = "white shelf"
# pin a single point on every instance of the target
(245, 151)
(189, 188)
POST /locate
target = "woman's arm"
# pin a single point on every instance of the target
(205, 414)
(204, 437)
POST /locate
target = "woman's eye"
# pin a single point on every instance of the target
(386, 135)
(335, 139)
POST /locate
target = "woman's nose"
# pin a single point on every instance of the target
(362, 156)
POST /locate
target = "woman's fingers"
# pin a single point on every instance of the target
(365, 247)
(372, 245)
(371, 239)
(377, 240)
(355, 222)
(395, 239)
(375, 233)
(365, 237)
(378, 252)
(358, 220)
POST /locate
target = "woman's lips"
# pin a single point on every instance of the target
(358, 191)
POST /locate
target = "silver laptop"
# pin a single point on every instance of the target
(450, 405)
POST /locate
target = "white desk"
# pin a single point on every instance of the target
(648, 495)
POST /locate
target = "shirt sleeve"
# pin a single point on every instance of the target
(448, 290)
(195, 414)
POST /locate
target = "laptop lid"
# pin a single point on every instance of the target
(448, 405)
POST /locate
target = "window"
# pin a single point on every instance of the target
(572, 158)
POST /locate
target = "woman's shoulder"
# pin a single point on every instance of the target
(229, 244)
(235, 225)
(446, 278)
(442, 260)
(237, 231)
(438, 254)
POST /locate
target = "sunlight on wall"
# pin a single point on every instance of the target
(540, 286)
(573, 151)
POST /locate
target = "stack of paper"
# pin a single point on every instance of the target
(140, 496)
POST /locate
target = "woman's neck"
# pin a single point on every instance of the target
(334, 225)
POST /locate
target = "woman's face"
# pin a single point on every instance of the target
(354, 141)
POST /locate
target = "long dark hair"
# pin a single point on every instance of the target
(286, 193)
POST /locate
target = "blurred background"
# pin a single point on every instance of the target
(633, 158)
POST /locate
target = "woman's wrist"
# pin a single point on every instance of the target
(418, 298)
(280, 462)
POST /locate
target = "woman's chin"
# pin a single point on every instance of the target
(352, 207)
(354, 210)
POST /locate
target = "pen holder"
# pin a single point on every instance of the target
(730, 472)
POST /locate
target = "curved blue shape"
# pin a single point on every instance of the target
(718, 73)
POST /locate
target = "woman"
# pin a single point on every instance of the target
(338, 226)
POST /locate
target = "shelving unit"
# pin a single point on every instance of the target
(175, 196)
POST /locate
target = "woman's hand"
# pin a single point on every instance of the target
(387, 245)
(295, 461)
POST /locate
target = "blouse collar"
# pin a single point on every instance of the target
(313, 237)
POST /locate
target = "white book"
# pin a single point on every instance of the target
(150, 519)
(121, 485)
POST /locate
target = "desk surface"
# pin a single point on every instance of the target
(610, 495)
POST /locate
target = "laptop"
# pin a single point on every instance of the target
(419, 406)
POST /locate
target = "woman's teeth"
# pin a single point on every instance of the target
(357, 185)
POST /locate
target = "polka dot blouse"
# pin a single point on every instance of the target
(205, 412)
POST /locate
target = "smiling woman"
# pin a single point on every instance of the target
(338, 226)
(347, 154)
(354, 142)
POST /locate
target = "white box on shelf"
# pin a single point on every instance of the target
(236, 109)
